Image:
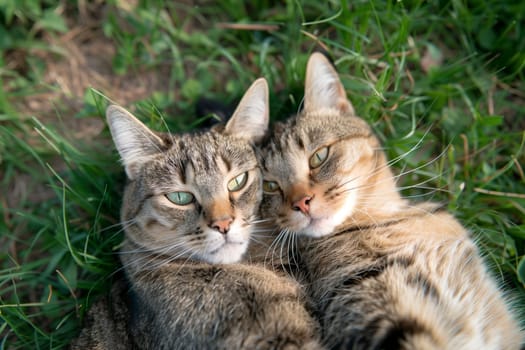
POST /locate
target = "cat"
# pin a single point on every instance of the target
(189, 207)
(382, 273)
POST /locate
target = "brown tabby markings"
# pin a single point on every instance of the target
(382, 273)
(188, 211)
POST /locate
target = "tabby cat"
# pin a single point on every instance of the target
(188, 210)
(382, 273)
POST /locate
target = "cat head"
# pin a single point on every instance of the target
(193, 195)
(323, 167)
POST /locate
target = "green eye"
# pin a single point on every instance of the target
(237, 182)
(180, 198)
(318, 157)
(270, 186)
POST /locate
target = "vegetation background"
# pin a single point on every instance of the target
(440, 81)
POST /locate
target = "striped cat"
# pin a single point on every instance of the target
(188, 211)
(382, 273)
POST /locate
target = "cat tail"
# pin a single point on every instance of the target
(407, 334)
(410, 311)
(385, 333)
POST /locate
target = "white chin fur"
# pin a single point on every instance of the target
(324, 226)
(318, 228)
(229, 253)
(226, 251)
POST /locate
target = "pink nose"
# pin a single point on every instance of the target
(222, 225)
(302, 204)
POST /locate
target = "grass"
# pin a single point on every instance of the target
(442, 77)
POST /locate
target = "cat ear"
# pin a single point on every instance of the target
(251, 117)
(134, 141)
(323, 89)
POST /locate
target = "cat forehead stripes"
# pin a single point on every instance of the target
(137, 144)
(212, 151)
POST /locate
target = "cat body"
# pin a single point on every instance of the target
(405, 287)
(234, 306)
(381, 273)
(189, 208)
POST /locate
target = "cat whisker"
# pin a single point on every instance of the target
(284, 245)
(395, 160)
(258, 235)
(395, 177)
(162, 249)
(432, 190)
(124, 224)
(358, 177)
(370, 217)
(258, 229)
(155, 260)
(277, 245)
(172, 258)
(142, 260)
(420, 185)
(271, 249)
(273, 246)
(258, 241)
(293, 253)
(402, 156)
(285, 248)
(287, 241)
(165, 259)
(148, 255)
(188, 259)
(394, 190)
(424, 165)
(260, 221)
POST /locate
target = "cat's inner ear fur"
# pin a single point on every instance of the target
(134, 141)
(251, 117)
(323, 89)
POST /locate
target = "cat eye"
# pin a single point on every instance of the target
(318, 157)
(180, 198)
(237, 182)
(270, 186)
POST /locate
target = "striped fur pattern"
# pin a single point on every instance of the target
(382, 273)
(188, 211)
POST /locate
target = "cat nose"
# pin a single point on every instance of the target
(302, 204)
(222, 225)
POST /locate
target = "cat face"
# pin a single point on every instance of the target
(318, 164)
(193, 195)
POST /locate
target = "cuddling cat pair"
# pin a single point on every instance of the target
(297, 241)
